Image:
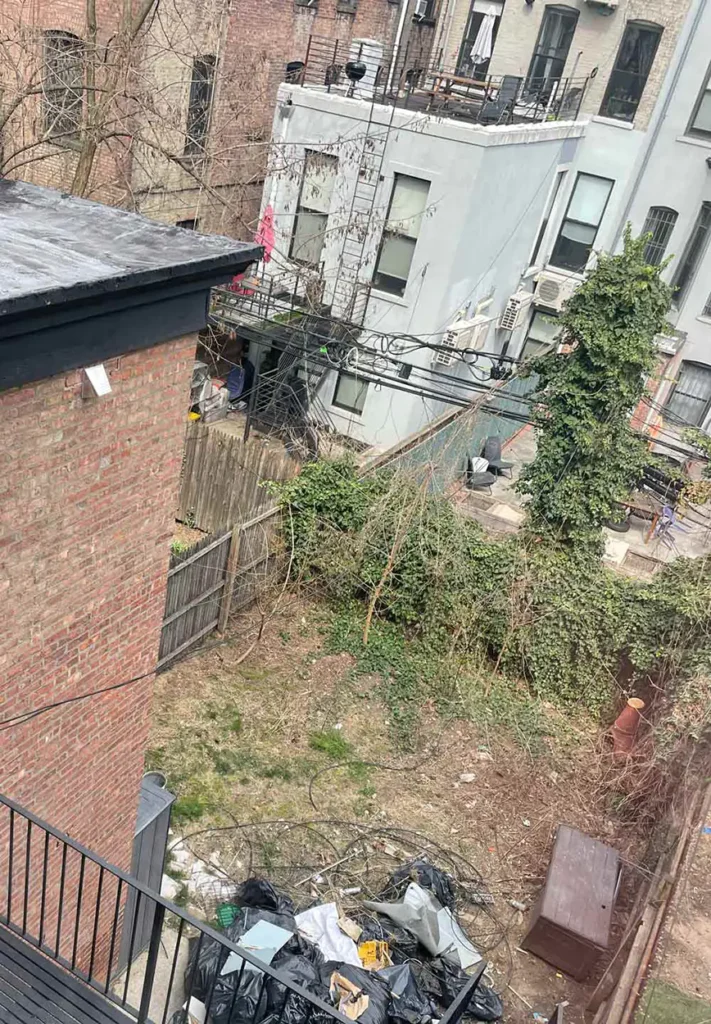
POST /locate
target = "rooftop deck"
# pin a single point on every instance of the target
(419, 81)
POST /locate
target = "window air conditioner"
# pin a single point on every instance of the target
(515, 312)
(421, 8)
(464, 335)
(553, 290)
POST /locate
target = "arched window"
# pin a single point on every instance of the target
(660, 224)
(631, 71)
(63, 85)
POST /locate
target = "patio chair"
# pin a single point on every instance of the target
(477, 476)
(492, 453)
(502, 108)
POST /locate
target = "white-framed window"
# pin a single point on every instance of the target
(63, 85)
(700, 123)
(311, 221)
(581, 223)
(350, 393)
(541, 336)
(690, 400)
(550, 207)
(408, 203)
(693, 254)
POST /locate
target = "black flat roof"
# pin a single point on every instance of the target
(57, 248)
(81, 282)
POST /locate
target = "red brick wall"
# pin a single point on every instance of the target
(89, 490)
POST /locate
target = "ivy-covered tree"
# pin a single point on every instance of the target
(588, 459)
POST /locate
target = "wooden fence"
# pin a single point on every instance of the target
(219, 575)
(222, 479)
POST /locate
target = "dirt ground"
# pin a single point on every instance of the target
(680, 978)
(258, 746)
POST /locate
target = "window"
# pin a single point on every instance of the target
(550, 206)
(63, 86)
(700, 123)
(350, 393)
(551, 51)
(311, 219)
(408, 203)
(424, 10)
(581, 222)
(480, 10)
(201, 89)
(542, 333)
(695, 249)
(659, 224)
(189, 225)
(629, 76)
(690, 400)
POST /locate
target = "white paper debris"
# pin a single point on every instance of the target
(320, 925)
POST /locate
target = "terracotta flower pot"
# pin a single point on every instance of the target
(624, 731)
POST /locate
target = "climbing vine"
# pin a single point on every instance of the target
(588, 458)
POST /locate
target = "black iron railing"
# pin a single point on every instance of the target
(83, 913)
(72, 904)
(417, 78)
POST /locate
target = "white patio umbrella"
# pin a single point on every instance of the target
(484, 42)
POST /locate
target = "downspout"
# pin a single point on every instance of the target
(396, 45)
(690, 32)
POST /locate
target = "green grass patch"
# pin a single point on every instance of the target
(332, 743)
(663, 1004)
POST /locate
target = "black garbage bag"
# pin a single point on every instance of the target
(286, 1006)
(408, 1003)
(239, 997)
(368, 982)
(261, 894)
(426, 875)
(403, 944)
(205, 964)
(442, 981)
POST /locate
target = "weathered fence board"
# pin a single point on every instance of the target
(223, 477)
(217, 576)
(192, 602)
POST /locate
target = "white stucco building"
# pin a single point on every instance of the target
(444, 227)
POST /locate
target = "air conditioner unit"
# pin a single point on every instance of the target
(515, 312)
(464, 335)
(553, 290)
(669, 344)
(421, 8)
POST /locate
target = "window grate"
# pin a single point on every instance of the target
(659, 224)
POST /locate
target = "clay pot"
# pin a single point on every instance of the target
(624, 731)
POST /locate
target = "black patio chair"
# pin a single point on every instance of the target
(492, 453)
(501, 109)
(477, 476)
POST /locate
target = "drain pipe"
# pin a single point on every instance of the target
(690, 30)
(406, 5)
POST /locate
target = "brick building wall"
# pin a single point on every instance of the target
(89, 487)
(143, 167)
(595, 45)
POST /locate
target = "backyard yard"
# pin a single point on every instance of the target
(292, 764)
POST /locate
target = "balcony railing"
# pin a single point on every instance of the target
(418, 79)
(82, 914)
(71, 905)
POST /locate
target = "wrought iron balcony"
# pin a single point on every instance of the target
(69, 953)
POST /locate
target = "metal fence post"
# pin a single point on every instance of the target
(151, 962)
(230, 571)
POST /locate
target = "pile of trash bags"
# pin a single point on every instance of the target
(401, 961)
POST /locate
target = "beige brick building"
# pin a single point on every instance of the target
(633, 40)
